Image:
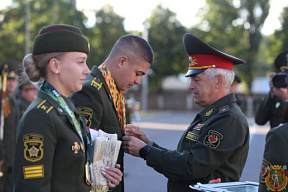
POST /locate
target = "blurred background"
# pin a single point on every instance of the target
(253, 30)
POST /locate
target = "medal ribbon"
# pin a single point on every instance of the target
(49, 90)
(117, 96)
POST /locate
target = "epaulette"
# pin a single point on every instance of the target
(44, 105)
(96, 83)
(224, 109)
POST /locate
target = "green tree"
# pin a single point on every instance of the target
(235, 29)
(42, 12)
(165, 37)
(109, 27)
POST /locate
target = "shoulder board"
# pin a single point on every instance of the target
(224, 109)
(96, 83)
(44, 105)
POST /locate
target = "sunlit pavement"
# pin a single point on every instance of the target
(166, 128)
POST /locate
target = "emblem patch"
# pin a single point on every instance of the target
(33, 172)
(213, 139)
(33, 144)
(87, 112)
(264, 169)
(276, 178)
(192, 136)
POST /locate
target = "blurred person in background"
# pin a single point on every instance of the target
(10, 115)
(271, 108)
(27, 92)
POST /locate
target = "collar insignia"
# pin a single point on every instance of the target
(208, 113)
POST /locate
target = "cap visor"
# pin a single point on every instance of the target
(194, 72)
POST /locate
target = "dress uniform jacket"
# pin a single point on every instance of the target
(95, 103)
(270, 109)
(275, 160)
(48, 157)
(215, 145)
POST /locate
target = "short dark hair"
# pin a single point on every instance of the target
(136, 45)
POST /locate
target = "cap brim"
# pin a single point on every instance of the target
(194, 72)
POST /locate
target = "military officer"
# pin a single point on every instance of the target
(216, 143)
(53, 151)
(271, 108)
(11, 119)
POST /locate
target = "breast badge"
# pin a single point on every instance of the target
(33, 147)
(213, 139)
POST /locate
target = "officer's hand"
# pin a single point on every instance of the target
(132, 145)
(136, 131)
(113, 175)
(215, 181)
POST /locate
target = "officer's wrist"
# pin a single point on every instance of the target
(143, 152)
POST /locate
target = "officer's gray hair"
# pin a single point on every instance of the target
(229, 75)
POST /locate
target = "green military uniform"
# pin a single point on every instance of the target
(215, 145)
(273, 176)
(50, 154)
(10, 128)
(95, 103)
(270, 109)
(9, 143)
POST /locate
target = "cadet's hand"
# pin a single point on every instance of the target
(136, 131)
(132, 145)
(113, 175)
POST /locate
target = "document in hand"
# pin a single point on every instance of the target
(105, 154)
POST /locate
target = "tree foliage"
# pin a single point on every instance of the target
(165, 36)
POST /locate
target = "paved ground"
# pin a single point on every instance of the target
(166, 128)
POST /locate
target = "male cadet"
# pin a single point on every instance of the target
(101, 99)
(10, 116)
(216, 143)
(271, 108)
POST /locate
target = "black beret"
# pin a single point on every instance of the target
(60, 38)
(203, 56)
(281, 61)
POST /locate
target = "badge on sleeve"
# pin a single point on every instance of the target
(87, 112)
(213, 139)
(276, 178)
(33, 147)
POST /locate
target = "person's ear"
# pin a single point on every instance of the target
(122, 61)
(219, 80)
(54, 65)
